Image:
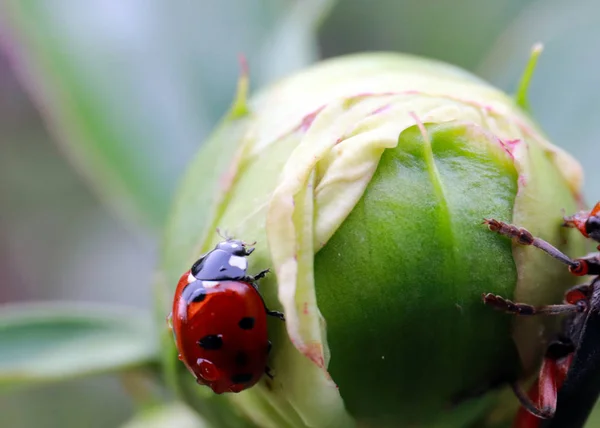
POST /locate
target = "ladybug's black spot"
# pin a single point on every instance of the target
(194, 292)
(211, 342)
(246, 323)
(199, 295)
(241, 378)
(241, 358)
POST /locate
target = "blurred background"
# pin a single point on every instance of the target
(103, 102)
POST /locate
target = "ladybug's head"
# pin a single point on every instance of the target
(235, 247)
(587, 222)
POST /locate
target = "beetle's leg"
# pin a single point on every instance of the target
(542, 397)
(252, 279)
(275, 314)
(269, 312)
(587, 265)
(529, 405)
(505, 305)
(523, 237)
(576, 300)
(249, 247)
(580, 292)
(268, 372)
(261, 274)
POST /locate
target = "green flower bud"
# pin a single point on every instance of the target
(364, 181)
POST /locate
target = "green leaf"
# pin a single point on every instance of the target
(521, 95)
(594, 419)
(130, 89)
(55, 341)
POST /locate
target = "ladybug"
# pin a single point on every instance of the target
(568, 384)
(219, 320)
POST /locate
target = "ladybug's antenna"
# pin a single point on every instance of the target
(225, 235)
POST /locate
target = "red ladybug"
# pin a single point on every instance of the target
(219, 320)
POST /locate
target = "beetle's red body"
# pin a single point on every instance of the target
(545, 390)
(233, 312)
(219, 320)
(567, 386)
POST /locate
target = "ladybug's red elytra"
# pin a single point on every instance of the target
(219, 320)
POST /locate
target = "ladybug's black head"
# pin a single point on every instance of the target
(234, 247)
(592, 227)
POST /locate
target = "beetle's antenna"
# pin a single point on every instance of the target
(225, 235)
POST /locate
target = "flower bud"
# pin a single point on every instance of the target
(364, 181)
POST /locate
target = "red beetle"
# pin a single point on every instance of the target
(568, 385)
(219, 320)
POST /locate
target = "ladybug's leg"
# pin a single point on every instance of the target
(261, 274)
(269, 312)
(275, 314)
(523, 237)
(505, 305)
(252, 279)
(267, 368)
(268, 372)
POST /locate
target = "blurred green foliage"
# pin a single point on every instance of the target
(129, 90)
(91, 338)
